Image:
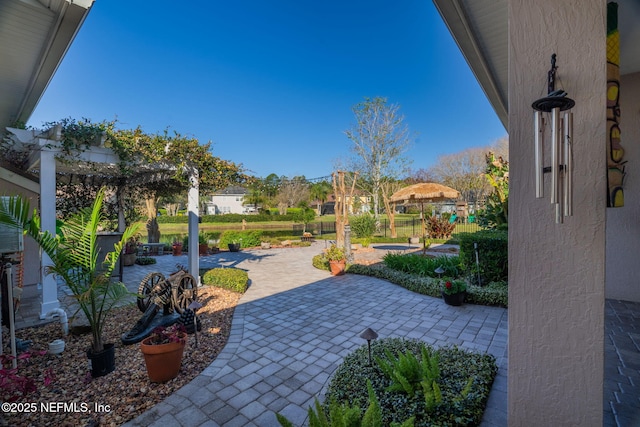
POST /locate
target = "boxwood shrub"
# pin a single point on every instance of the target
(493, 255)
(232, 279)
(422, 265)
(247, 238)
(457, 368)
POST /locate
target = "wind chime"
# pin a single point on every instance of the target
(548, 109)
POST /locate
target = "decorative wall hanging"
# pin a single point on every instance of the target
(615, 152)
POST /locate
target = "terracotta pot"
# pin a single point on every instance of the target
(454, 299)
(203, 249)
(162, 360)
(177, 250)
(337, 267)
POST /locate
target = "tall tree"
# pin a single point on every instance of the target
(291, 193)
(380, 138)
(388, 187)
(319, 192)
(464, 171)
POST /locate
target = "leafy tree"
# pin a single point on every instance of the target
(305, 215)
(388, 187)
(496, 212)
(320, 191)
(380, 138)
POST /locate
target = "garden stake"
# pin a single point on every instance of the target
(475, 245)
(195, 305)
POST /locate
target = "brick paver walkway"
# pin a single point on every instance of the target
(292, 329)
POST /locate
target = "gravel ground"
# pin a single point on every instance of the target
(126, 392)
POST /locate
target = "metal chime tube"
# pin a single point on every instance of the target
(568, 164)
(539, 154)
(555, 154)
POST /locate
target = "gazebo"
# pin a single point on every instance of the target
(40, 152)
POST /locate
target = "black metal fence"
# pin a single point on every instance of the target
(404, 227)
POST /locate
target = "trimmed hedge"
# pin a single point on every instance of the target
(233, 279)
(237, 218)
(457, 369)
(422, 265)
(493, 257)
(494, 294)
(247, 238)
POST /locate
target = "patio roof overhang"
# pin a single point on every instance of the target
(480, 29)
(34, 37)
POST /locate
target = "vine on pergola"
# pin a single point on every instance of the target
(150, 166)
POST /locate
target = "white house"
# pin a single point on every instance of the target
(229, 200)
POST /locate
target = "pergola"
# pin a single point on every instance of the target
(40, 152)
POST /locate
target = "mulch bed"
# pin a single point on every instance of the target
(127, 392)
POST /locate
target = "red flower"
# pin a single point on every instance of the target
(448, 285)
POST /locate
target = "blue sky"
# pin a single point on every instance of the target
(272, 84)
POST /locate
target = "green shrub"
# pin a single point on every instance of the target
(464, 384)
(145, 260)
(493, 255)
(320, 262)
(227, 218)
(493, 294)
(363, 226)
(203, 238)
(232, 279)
(422, 265)
(247, 238)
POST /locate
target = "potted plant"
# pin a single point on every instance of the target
(162, 352)
(131, 250)
(234, 246)
(176, 247)
(337, 260)
(454, 291)
(74, 259)
(203, 245)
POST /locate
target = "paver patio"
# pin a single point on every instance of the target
(295, 324)
(292, 329)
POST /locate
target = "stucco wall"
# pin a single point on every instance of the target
(623, 224)
(557, 271)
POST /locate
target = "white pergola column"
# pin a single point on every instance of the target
(48, 223)
(193, 210)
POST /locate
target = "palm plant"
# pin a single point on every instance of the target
(74, 258)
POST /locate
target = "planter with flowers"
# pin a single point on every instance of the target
(176, 247)
(337, 260)
(454, 291)
(162, 352)
(131, 250)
